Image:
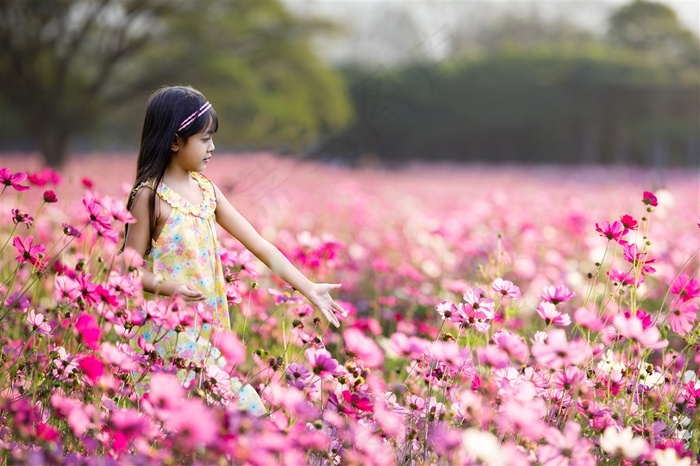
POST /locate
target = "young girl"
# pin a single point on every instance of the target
(176, 210)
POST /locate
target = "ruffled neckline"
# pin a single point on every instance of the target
(203, 209)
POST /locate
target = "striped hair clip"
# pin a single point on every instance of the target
(190, 119)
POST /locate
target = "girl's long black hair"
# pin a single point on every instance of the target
(166, 109)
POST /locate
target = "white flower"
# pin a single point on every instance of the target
(623, 442)
(668, 457)
(648, 377)
(608, 364)
(484, 446)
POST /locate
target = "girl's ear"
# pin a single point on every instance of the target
(177, 143)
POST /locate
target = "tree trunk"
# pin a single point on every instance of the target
(53, 145)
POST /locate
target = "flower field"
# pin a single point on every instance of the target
(495, 315)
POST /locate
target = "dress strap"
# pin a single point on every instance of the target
(148, 184)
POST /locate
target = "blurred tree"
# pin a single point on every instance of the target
(64, 65)
(654, 29)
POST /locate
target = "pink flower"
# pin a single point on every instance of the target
(357, 402)
(632, 328)
(230, 346)
(321, 362)
(79, 416)
(565, 447)
(649, 199)
(612, 231)
(506, 288)
(194, 424)
(569, 379)
(587, 319)
(478, 302)
(624, 278)
(88, 329)
(557, 351)
(512, 344)
(8, 178)
(166, 394)
(29, 252)
(408, 347)
(556, 295)
(38, 321)
(685, 287)
(632, 255)
(65, 289)
(549, 313)
(363, 348)
(127, 424)
(682, 316)
(448, 311)
(92, 367)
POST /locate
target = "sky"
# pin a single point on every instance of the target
(388, 31)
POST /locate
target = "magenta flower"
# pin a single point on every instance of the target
(648, 198)
(297, 375)
(549, 313)
(556, 295)
(92, 367)
(7, 178)
(321, 362)
(685, 287)
(50, 196)
(20, 217)
(87, 327)
(557, 351)
(359, 403)
(632, 328)
(46, 175)
(612, 231)
(29, 252)
(506, 288)
(682, 316)
(628, 222)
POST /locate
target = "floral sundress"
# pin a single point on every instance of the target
(187, 251)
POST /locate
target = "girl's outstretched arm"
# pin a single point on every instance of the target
(318, 293)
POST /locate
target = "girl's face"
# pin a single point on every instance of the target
(194, 153)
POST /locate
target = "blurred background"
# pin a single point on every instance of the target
(362, 83)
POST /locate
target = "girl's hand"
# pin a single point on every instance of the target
(319, 295)
(189, 293)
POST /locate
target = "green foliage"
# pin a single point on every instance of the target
(539, 104)
(70, 68)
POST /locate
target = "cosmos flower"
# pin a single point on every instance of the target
(9, 179)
